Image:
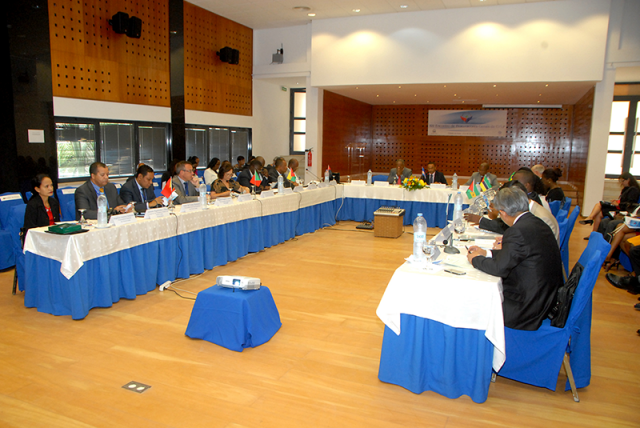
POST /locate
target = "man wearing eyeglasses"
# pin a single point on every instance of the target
(182, 185)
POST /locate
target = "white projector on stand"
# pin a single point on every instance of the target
(240, 282)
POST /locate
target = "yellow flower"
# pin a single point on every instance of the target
(422, 183)
(404, 181)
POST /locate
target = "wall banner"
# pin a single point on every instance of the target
(472, 123)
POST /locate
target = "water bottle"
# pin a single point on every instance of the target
(326, 175)
(454, 181)
(419, 238)
(203, 196)
(369, 178)
(102, 211)
(281, 185)
(457, 207)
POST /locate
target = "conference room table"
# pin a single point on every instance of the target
(443, 332)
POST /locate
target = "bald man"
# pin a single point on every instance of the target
(483, 171)
(399, 173)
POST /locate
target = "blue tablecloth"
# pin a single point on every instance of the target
(235, 319)
(431, 356)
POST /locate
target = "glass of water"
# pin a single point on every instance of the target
(429, 249)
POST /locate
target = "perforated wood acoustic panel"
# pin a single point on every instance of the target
(210, 84)
(89, 60)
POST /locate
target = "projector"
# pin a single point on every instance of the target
(240, 282)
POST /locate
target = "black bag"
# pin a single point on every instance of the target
(560, 311)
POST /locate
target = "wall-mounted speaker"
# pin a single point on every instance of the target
(135, 27)
(120, 22)
(229, 55)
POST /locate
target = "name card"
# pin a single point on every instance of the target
(190, 207)
(11, 197)
(157, 176)
(298, 189)
(267, 194)
(323, 185)
(288, 191)
(438, 186)
(68, 191)
(157, 213)
(220, 202)
(118, 185)
(119, 220)
(381, 183)
(333, 183)
(312, 186)
(463, 189)
(359, 183)
(245, 197)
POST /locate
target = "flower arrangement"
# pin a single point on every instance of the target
(413, 183)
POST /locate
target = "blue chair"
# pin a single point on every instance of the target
(561, 214)
(554, 206)
(27, 196)
(69, 210)
(66, 194)
(16, 222)
(567, 204)
(7, 200)
(535, 357)
(380, 178)
(564, 248)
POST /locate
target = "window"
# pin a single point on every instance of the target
(298, 121)
(218, 142)
(122, 145)
(622, 153)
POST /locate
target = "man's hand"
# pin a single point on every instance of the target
(157, 201)
(497, 244)
(472, 218)
(475, 251)
(122, 208)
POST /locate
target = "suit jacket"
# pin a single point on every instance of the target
(273, 178)
(530, 266)
(35, 214)
(499, 226)
(86, 197)
(393, 175)
(438, 178)
(184, 197)
(244, 178)
(493, 179)
(130, 193)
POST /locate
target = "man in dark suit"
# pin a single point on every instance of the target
(279, 170)
(244, 178)
(140, 190)
(399, 173)
(86, 196)
(482, 172)
(182, 184)
(433, 176)
(528, 262)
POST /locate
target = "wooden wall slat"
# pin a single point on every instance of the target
(90, 61)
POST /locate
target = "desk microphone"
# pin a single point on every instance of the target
(309, 171)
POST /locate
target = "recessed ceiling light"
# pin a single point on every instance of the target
(415, 95)
(445, 86)
(356, 10)
(311, 14)
(403, 6)
(356, 87)
(546, 85)
(394, 102)
(455, 95)
(399, 87)
(302, 8)
(495, 86)
(377, 95)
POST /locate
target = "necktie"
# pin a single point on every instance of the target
(142, 194)
(399, 182)
(432, 178)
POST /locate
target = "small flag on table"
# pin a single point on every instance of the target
(423, 177)
(256, 180)
(291, 176)
(471, 193)
(167, 190)
(485, 184)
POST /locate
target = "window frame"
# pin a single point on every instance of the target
(207, 128)
(628, 151)
(292, 120)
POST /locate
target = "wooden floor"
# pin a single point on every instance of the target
(319, 370)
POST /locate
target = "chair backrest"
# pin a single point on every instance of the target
(69, 210)
(591, 259)
(27, 196)
(567, 204)
(66, 194)
(561, 214)
(16, 222)
(562, 228)
(7, 200)
(572, 222)
(554, 206)
(380, 177)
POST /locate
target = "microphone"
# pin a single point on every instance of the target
(309, 171)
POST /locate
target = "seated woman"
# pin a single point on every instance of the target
(42, 209)
(629, 195)
(223, 186)
(622, 234)
(210, 174)
(554, 192)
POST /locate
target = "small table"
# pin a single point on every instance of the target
(452, 331)
(233, 318)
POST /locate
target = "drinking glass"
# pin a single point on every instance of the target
(429, 249)
(459, 226)
(82, 219)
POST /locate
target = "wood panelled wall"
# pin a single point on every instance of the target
(534, 136)
(89, 60)
(210, 84)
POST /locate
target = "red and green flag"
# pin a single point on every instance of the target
(256, 180)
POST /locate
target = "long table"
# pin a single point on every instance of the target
(443, 332)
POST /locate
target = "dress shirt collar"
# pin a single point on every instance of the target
(97, 189)
(518, 218)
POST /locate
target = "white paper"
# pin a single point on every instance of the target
(298, 189)
(361, 182)
(157, 213)
(10, 197)
(245, 197)
(312, 187)
(119, 220)
(190, 207)
(381, 183)
(322, 185)
(68, 191)
(36, 135)
(220, 202)
(287, 191)
(267, 194)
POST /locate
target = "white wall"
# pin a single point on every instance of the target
(196, 117)
(297, 45)
(532, 42)
(74, 107)
(271, 116)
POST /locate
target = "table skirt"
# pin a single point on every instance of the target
(431, 356)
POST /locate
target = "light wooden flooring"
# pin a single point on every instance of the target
(319, 370)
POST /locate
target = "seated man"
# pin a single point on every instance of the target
(291, 172)
(182, 184)
(252, 177)
(239, 166)
(279, 170)
(529, 263)
(483, 171)
(399, 173)
(433, 176)
(86, 196)
(533, 184)
(140, 190)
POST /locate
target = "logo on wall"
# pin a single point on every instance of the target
(472, 123)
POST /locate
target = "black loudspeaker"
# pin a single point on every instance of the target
(135, 27)
(235, 56)
(230, 55)
(120, 22)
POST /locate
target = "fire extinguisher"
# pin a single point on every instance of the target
(309, 159)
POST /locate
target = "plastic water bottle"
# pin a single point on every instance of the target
(326, 175)
(369, 178)
(454, 181)
(419, 238)
(203, 196)
(457, 207)
(281, 185)
(102, 211)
